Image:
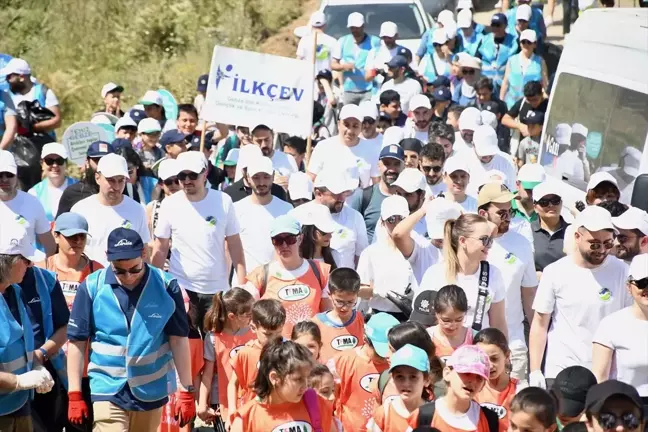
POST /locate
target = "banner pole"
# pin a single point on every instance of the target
(202, 136)
(309, 140)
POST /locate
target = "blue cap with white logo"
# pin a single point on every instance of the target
(69, 224)
(201, 85)
(412, 356)
(124, 244)
(393, 151)
(442, 94)
(137, 115)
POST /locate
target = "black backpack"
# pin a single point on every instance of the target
(426, 414)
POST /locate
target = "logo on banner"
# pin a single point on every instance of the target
(257, 88)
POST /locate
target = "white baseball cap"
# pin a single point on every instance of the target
(151, 97)
(247, 153)
(464, 4)
(455, 163)
(14, 240)
(316, 214)
(450, 29)
(335, 180)
(351, 111)
(420, 101)
(470, 119)
(355, 19)
(168, 168)
(126, 121)
(317, 19)
(523, 12)
(388, 29)
(438, 211)
(579, 129)
(633, 218)
(369, 109)
(546, 188)
(531, 175)
(465, 17)
(639, 267)
(439, 36)
(529, 35)
(488, 119)
(469, 61)
(193, 161)
(7, 162)
(599, 177)
(16, 66)
(445, 16)
(148, 125)
(562, 134)
(411, 180)
(232, 157)
(393, 135)
(595, 218)
(111, 86)
(54, 149)
(113, 165)
(258, 165)
(485, 141)
(394, 205)
(300, 186)
(631, 158)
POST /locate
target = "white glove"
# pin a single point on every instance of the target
(537, 379)
(48, 381)
(30, 380)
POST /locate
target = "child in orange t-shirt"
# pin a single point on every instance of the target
(450, 307)
(354, 370)
(284, 402)
(500, 389)
(227, 325)
(268, 319)
(343, 326)
(533, 409)
(465, 374)
(410, 371)
(308, 334)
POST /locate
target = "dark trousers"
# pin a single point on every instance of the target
(199, 304)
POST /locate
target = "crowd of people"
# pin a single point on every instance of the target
(419, 257)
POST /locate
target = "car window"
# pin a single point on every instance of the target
(617, 123)
(406, 16)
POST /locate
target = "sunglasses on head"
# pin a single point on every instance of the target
(7, 175)
(171, 181)
(288, 239)
(610, 421)
(191, 176)
(132, 271)
(546, 202)
(486, 241)
(642, 284)
(468, 71)
(51, 161)
(436, 169)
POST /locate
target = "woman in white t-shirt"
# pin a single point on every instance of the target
(317, 230)
(620, 345)
(466, 243)
(382, 267)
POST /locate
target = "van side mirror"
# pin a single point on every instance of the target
(640, 192)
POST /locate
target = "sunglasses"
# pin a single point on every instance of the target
(7, 175)
(51, 161)
(642, 284)
(437, 45)
(132, 271)
(427, 169)
(505, 213)
(191, 176)
(486, 241)
(289, 240)
(171, 181)
(526, 42)
(609, 244)
(369, 120)
(546, 202)
(610, 421)
(393, 219)
(468, 71)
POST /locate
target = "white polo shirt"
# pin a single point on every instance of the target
(27, 211)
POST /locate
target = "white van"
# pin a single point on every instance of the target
(602, 83)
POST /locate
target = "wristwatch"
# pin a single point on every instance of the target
(190, 389)
(43, 351)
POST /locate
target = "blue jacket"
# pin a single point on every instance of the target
(495, 56)
(16, 351)
(137, 353)
(354, 81)
(517, 79)
(42, 193)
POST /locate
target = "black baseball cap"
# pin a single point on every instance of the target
(201, 85)
(411, 144)
(600, 393)
(99, 149)
(533, 118)
(422, 308)
(491, 106)
(571, 386)
(441, 81)
(124, 244)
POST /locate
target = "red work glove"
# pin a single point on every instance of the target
(185, 407)
(77, 408)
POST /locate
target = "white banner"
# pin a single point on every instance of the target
(78, 137)
(248, 88)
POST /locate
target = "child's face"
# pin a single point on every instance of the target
(535, 130)
(409, 382)
(344, 303)
(309, 342)
(498, 359)
(464, 385)
(292, 387)
(173, 150)
(450, 321)
(150, 139)
(327, 387)
(241, 320)
(392, 110)
(264, 335)
(521, 421)
(187, 122)
(230, 171)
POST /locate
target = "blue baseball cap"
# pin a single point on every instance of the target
(442, 94)
(285, 224)
(172, 137)
(194, 141)
(201, 85)
(124, 244)
(397, 61)
(377, 329)
(393, 151)
(441, 81)
(121, 143)
(412, 356)
(137, 115)
(69, 224)
(99, 149)
(499, 19)
(405, 52)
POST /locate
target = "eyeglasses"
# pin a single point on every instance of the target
(289, 240)
(642, 284)
(7, 175)
(437, 45)
(427, 169)
(191, 176)
(546, 202)
(468, 71)
(608, 244)
(369, 120)
(132, 271)
(51, 161)
(526, 42)
(486, 241)
(171, 181)
(344, 304)
(610, 421)
(393, 219)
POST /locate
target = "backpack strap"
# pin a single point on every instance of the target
(426, 414)
(482, 295)
(383, 379)
(492, 418)
(366, 199)
(312, 406)
(313, 265)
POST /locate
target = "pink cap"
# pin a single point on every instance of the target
(470, 359)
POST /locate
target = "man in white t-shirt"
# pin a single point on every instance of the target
(325, 43)
(469, 121)
(256, 213)
(22, 208)
(110, 208)
(418, 125)
(201, 222)
(633, 234)
(456, 176)
(486, 156)
(378, 57)
(347, 146)
(431, 163)
(370, 124)
(406, 87)
(574, 295)
(283, 164)
(50, 190)
(512, 254)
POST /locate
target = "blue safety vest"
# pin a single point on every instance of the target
(535, 23)
(429, 70)
(470, 44)
(42, 193)
(137, 354)
(148, 186)
(459, 98)
(45, 283)
(495, 56)
(517, 79)
(354, 81)
(16, 351)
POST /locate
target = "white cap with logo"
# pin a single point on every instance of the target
(14, 240)
(113, 165)
(633, 218)
(411, 180)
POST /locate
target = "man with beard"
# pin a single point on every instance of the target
(420, 120)
(87, 185)
(257, 212)
(391, 162)
(370, 124)
(283, 164)
(21, 207)
(486, 156)
(411, 185)
(444, 135)
(632, 239)
(406, 87)
(512, 254)
(431, 164)
(577, 291)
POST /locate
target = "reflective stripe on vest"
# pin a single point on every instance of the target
(42, 193)
(495, 56)
(517, 79)
(139, 355)
(16, 350)
(354, 81)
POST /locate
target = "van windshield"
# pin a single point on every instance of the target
(406, 15)
(615, 121)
